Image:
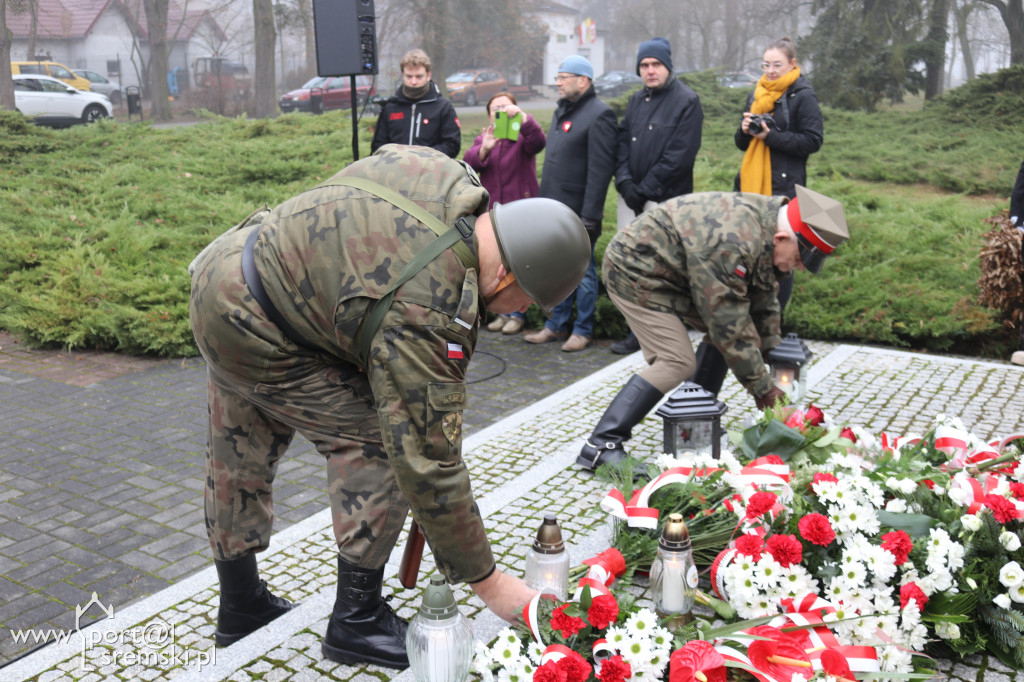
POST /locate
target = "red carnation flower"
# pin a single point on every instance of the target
(574, 667)
(928, 483)
(615, 669)
(815, 528)
(603, 611)
(759, 504)
(1017, 489)
(825, 478)
(567, 625)
(912, 591)
(848, 434)
(751, 545)
(785, 549)
(814, 416)
(549, 672)
(899, 544)
(1004, 510)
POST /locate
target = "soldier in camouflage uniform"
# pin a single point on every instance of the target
(388, 421)
(711, 262)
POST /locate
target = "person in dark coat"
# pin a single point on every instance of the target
(780, 129)
(417, 113)
(659, 137)
(578, 167)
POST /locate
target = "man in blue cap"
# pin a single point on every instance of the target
(578, 166)
(659, 137)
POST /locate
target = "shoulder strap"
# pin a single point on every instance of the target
(447, 237)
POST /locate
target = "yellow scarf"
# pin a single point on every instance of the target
(756, 171)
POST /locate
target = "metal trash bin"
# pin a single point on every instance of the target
(134, 98)
(316, 100)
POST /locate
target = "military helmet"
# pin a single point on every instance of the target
(545, 246)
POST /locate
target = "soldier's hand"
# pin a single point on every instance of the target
(769, 399)
(504, 594)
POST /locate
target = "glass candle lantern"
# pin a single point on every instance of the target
(439, 640)
(786, 363)
(547, 562)
(673, 573)
(693, 421)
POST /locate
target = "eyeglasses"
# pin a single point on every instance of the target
(566, 77)
(777, 66)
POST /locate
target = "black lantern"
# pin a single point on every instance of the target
(786, 362)
(693, 421)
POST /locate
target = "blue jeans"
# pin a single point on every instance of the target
(585, 297)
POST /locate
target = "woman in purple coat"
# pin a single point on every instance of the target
(508, 170)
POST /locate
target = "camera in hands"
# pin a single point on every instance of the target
(760, 123)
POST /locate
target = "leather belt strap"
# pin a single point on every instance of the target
(255, 285)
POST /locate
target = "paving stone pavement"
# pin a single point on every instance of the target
(100, 492)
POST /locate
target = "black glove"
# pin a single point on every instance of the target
(631, 195)
(593, 228)
(769, 399)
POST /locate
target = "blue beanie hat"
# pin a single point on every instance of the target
(659, 49)
(578, 65)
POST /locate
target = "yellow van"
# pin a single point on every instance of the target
(52, 69)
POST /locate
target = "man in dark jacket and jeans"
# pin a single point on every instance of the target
(659, 137)
(578, 167)
(417, 113)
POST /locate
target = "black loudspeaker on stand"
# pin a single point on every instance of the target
(346, 37)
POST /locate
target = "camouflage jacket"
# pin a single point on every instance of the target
(707, 258)
(325, 257)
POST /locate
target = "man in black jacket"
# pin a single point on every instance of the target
(417, 113)
(659, 137)
(578, 166)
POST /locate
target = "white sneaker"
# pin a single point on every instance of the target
(1018, 357)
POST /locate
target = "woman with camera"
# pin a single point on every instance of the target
(780, 129)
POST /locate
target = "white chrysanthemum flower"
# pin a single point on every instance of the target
(616, 636)
(1003, 601)
(895, 660)
(661, 638)
(636, 650)
(642, 623)
(482, 661)
(534, 651)
(972, 523)
(507, 648)
(728, 461)
(881, 563)
(767, 573)
(1011, 574)
(1009, 541)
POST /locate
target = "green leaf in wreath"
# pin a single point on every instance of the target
(779, 439)
(915, 525)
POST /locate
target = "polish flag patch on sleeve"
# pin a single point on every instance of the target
(455, 351)
(740, 271)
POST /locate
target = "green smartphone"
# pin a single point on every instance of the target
(506, 128)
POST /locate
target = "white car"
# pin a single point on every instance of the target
(98, 83)
(48, 101)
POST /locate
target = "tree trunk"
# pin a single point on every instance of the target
(6, 81)
(962, 10)
(1012, 12)
(306, 12)
(264, 81)
(156, 25)
(935, 59)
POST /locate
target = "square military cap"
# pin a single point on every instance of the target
(819, 225)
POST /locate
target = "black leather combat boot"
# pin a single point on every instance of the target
(627, 409)
(711, 368)
(364, 628)
(246, 604)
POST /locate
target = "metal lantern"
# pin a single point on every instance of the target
(547, 562)
(786, 363)
(673, 574)
(693, 421)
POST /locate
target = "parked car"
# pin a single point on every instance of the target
(615, 83)
(740, 79)
(217, 75)
(48, 101)
(474, 85)
(53, 70)
(100, 84)
(336, 92)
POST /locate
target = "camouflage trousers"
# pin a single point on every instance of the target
(256, 407)
(664, 341)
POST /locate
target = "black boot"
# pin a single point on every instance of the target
(626, 345)
(627, 409)
(364, 628)
(246, 604)
(711, 368)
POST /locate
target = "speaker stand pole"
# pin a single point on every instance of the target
(355, 119)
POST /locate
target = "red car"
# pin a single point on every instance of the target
(335, 91)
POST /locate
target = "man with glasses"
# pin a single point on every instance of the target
(659, 137)
(578, 167)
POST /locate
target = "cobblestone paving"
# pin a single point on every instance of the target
(522, 467)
